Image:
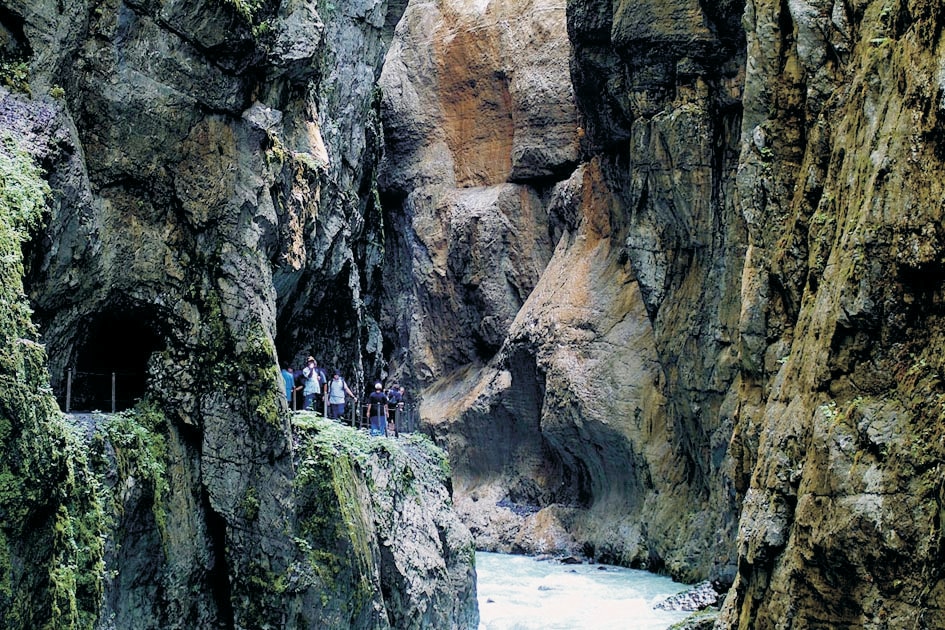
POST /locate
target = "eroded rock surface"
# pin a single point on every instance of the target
(211, 166)
(569, 412)
(839, 448)
(739, 323)
(666, 277)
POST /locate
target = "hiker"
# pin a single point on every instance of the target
(337, 388)
(289, 377)
(394, 406)
(313, 382)
(377, 411)
(321, 396)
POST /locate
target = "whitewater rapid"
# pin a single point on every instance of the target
(522, 593)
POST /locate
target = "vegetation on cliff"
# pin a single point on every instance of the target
(51, 520)
(372, 513)
(211, 208)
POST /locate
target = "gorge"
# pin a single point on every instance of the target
(664, 279)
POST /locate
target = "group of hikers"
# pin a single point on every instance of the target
(330, 395)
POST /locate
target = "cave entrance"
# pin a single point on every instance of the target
(111, 361)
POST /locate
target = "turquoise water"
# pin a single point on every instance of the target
(521, 593)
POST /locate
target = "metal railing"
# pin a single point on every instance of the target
(100, 391)
(402, 419)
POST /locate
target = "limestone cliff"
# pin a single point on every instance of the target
(51, 524)
(839, 448)
(724, 359)
(210, 166)
(665, 275)
(587, 396)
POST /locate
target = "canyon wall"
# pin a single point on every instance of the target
(573, 306)
(210, 169)
(838, 449)
(724, 358)
(664, 276)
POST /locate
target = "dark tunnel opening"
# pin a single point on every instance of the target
(110, 371)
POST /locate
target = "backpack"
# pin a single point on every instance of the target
(337, 390)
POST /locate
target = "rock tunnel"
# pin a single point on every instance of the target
(111, 359)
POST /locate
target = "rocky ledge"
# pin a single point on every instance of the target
(381, 509)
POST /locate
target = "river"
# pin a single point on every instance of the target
(522, 593)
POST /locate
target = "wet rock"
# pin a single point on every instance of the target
(202, 163)
(700, 596)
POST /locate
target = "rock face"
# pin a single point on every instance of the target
(665, 275)
(408, 555)
(211, 212)
(51, 525)
(728, 365)
(576, 407)
(839, 449)
(479, 121)
(379, 546)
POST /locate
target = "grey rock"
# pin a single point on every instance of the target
(194, 188)
(700, 596)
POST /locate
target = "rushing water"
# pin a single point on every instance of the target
(521, 593)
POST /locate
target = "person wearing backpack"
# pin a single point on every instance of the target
(377, 411)
(321, 398)
(337, 388)
(394, 406)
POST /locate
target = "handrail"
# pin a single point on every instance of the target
(72, 374)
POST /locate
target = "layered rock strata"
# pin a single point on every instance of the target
(839, 448)
(670, 293)
(737, 326)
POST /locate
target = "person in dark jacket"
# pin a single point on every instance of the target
(395, 406)
(377, 411)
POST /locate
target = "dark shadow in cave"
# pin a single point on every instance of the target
(112, 352)
(14, 45)
(324, 326)
(219, 575)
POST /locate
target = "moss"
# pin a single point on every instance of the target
(52, 530)
(330, 439)
(245, 371)
(23, 195)
(248, 9)
(331, 491)
(141, 452)
(250, 504)
(15, 75)
(265, 581)
(327, 8)
(258, 365)
(264, 588)
(433, 452)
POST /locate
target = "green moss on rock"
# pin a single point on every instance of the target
(336, 533)
(136, 435)
(370, 510)
(51, 517)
